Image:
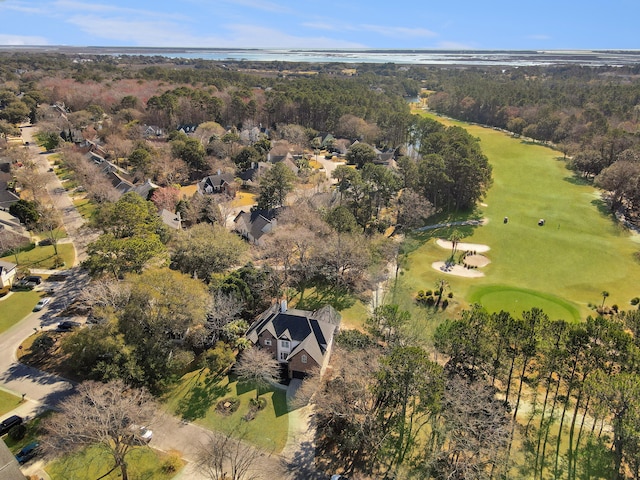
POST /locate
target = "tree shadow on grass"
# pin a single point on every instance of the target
(416, 239)
(602, 207)
(279, 400)
(201, 397)
(595, 460)
(338, 298)
(579, 180)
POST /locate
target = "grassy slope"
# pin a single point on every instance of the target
(578, 253)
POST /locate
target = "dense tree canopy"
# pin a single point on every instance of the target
(275, 184)
(133, 235)
(205, 249)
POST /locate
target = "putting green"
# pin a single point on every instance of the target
(580, 251)
(517, 300)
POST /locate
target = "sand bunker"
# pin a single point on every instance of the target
(457, 270)
(477, 261)
(463, 247)
(474, 260)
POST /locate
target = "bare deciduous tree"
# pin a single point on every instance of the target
(257, 367)
(51, 225)
(103, 414)
(105, 293)
(475, 428)
(226, 457)
(11, 242)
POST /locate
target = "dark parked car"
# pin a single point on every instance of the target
(35, 279)
(8, 423)
(27, 453)
(67, 325)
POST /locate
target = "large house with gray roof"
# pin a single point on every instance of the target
(300, 339)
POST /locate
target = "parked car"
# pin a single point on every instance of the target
(338, 477)
(68, 325)
(41, 304)
(22, 285)
(27, 453)
(35, 279)
(142, 435)
(8, 423)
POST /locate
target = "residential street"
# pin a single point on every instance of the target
(42, 391)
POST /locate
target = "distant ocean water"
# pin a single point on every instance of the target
(505, 58)
(419, 57)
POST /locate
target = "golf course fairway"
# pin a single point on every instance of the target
(563, 266)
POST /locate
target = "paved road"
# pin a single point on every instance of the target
(43, 391)
(74, 223)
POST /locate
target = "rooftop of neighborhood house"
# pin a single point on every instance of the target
(313, 330)
(7, 266)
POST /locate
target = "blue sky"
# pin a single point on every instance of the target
(401, 24)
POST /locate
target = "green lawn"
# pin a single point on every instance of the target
(85, 207)
(43, 257)
(579, 253)
(15, 307)
(8, 401)
(196, 396)
(354, 316)
(93, 462)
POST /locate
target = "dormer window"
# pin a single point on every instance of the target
(303, 358)
(284, 343)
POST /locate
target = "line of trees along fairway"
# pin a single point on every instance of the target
(452, 173)
(518, 397)
(387, 409)
(575, 379)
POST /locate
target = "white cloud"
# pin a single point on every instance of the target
(398, 32)
(261, 5)
(74, 7)
(7, 39)
(253, 36)
(168, 34)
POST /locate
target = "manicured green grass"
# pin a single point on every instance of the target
(93, 462)
(8, 401)
(15, 307)
(43, 257)
(516, 300)
(197, 395)
(85, 207)
(579, 253)
(354, 317)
